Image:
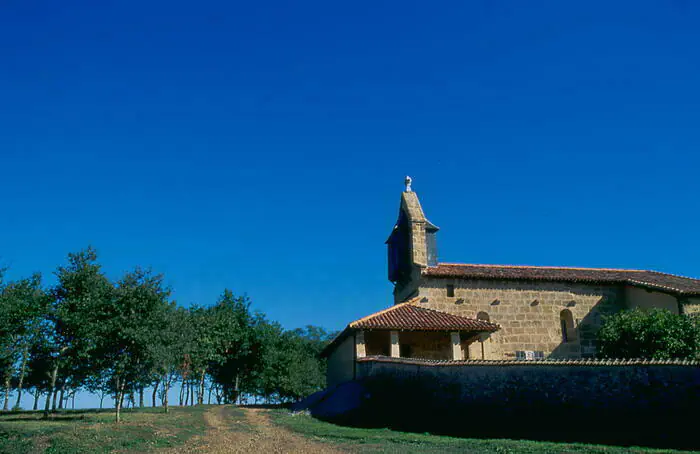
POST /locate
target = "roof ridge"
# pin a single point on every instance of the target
(543, 267)
(430, 309)
(383, 311)
(672, 274)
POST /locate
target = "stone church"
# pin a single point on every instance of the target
(453, 312)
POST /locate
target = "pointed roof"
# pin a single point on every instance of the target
(411, 205)
(639, 278)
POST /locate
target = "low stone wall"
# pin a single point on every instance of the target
(618, 402)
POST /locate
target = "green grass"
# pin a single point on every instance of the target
(389, 441)
(94, 431)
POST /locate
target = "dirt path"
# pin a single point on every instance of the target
(260, 436)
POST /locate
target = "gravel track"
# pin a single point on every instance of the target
(262, 437)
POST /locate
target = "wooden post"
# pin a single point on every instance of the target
(394, 335)
(360, 348)
(456, 346)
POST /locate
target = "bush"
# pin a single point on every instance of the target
(653, 334)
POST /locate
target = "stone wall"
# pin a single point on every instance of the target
(691, 306)
(427, 344)
(637, 297)
(641, 403)
(377, 342)
(341, 363)
(529, 313)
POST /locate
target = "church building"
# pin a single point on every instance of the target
(455, 312)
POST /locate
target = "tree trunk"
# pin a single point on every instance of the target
(119, 400)
(54, 405)
(47, 406)
(73, 401)
(141, 397)
(187, 392)
(102, 398)
(166, 389)
(60, 401)
(200, 401)
(192, 393)
(36, 399)
(209, 401)
(182, 392)
(8, 380)
(155, 392)
(22, 371)
(235, 390)
(51, 390)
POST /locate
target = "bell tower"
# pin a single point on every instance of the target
(411, 246)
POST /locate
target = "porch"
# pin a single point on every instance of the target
(418, 344)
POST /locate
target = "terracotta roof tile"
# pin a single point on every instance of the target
(587, 362)
(649, 279)
(407, 316)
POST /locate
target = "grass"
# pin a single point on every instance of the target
(94, 431)
(389, 441)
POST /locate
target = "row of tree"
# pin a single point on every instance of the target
(119, 339)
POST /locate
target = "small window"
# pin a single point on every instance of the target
(450, 290)
(405, 351)
(483, 316)
(568, 333)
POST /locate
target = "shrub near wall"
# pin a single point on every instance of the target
(648, 404)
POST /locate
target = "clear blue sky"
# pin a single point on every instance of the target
(261, 146)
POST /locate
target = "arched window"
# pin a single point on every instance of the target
(568, 331)
(485, 317)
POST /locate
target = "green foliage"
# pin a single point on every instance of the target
(23, 306)
(118, 337)
(127, 320)
(653, 334)
(76, 317)
(291, 368)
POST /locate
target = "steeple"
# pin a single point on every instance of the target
(412, 244)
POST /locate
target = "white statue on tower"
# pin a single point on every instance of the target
(408, 181)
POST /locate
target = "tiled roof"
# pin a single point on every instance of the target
(407, 316)
(641, 278)
(537, 362)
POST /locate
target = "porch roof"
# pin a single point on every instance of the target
(408, 316)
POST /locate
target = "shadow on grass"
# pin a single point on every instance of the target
(265, 406)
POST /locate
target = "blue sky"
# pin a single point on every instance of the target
(261, 146)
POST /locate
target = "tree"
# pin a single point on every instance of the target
(290, 367)
(167, 348)
(74, 322)
(22, 307)
(653, 334)
(39, 367)
(128, 321)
